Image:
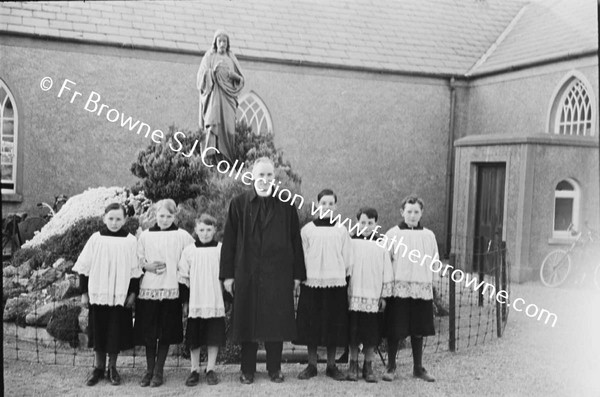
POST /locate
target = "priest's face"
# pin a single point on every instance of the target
(204, 232)
(263, 174)
(114, 220)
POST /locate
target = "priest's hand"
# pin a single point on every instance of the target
(185, 309)
(130, 301)
(85, 300)
(228, 285)
(297, 287)
(381, 305)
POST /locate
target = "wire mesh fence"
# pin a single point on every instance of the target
(42, 330)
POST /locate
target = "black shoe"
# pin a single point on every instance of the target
(146, 379)
(193, 379)
(95, 377)
(421, 373)
(212, 378)
(247, 379)
(390, 374)
(157, 379)
(276, 377)
(113, 376)
(309, 372)
(334, 373)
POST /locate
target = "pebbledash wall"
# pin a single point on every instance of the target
(507, 121)
(373, 138)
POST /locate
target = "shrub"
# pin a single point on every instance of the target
(166, 173)
(37, 255)
(250, 146)
(64, 324)
(88, 204)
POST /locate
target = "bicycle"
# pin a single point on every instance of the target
(556, 266)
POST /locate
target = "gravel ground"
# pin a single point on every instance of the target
(532, 359)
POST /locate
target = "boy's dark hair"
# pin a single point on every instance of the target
(412, 199)
(115, 206)
(326, 192)
(369, 212)
(207, 220)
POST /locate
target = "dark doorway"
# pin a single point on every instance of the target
(489, 215)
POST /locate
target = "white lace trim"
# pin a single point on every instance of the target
(106, 299)
(325, 283)
(358, 304)
(159, 294)
(206, 312)
(387, 289)
(412, 289)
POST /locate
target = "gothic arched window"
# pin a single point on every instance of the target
(254, 111)
(573, 108)
(8, 139)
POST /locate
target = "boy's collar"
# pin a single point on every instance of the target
(155, 228)
(211, 243)
(365, 236)
(403, 226)
(324, 222)
(119, 233)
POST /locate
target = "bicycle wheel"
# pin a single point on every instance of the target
(555, 268)
(597, 276)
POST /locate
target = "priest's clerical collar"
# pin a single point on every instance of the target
(155, 228)
(119, 233)
(211, 243)
(403, 225)
(254, 193)
(324, 222)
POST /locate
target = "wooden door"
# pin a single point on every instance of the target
(489, 215)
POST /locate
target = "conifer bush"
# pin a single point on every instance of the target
(167, 173)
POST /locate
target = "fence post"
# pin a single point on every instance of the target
(504, 279)
(452, 308)
(497, 264)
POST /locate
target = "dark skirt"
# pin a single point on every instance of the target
(205, 332)
(322, 318)
(110, 328)
(364, 328)
(158, 320)
(408, 317)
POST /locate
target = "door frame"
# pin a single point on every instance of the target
(472, 206)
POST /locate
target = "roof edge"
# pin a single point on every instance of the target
(539, 139)
(292, 62)
(539, 62)
(498, 41)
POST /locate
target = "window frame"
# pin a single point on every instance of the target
(266, 114)
(11, 194)
(557, 100)
(575, 194)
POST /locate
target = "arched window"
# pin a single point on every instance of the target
(573, 108)
(8, 139)
(566, 208)
(254, 111)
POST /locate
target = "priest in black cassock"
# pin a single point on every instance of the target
(262, 264)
